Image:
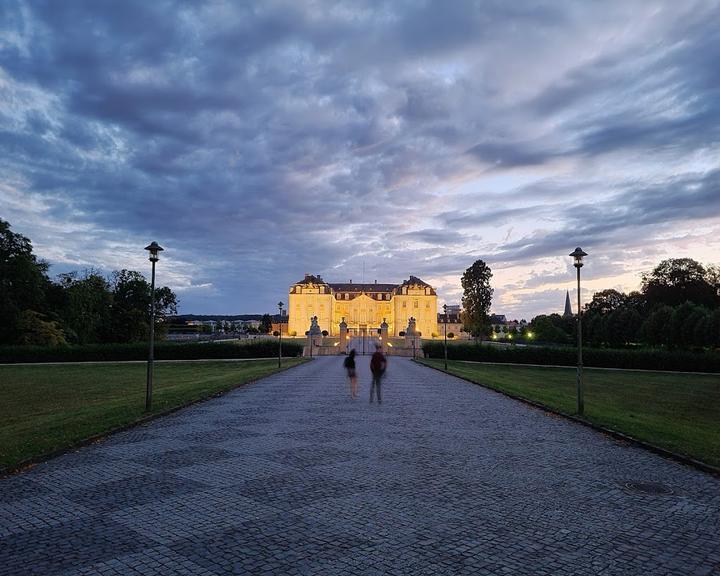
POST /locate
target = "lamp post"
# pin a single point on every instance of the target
(578, 255)
(445, 332)
(154, 248)
(280, 306)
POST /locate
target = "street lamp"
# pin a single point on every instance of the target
(445, 332)
(578, 255)
(280, 306)
(154, 248)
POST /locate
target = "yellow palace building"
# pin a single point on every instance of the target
(362, 306)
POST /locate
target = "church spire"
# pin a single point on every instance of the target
(568, 308)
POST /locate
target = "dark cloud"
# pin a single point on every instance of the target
(625, 217)
(259, 141)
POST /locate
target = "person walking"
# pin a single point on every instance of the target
(352, 375)
(378, 364)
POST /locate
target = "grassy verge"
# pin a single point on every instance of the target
(50, 408)
(677, 412)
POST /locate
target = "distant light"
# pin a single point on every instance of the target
(578, 255)
(154, 248)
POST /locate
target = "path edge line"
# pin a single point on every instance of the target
(29, 463)
(683, 459)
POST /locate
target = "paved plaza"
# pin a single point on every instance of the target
(289, 476)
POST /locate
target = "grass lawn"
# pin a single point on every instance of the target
(45, 408)
(678, 412)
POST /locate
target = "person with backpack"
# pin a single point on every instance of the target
(350, 368)
(378, 364)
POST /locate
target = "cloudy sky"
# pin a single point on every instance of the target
(260, 141)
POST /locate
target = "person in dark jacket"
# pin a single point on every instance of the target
(352, 375)
(378, 363)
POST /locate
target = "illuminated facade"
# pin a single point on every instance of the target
(363, 306)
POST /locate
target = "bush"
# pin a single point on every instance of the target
(139, 351)
(645, 359)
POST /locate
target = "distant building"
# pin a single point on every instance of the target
(363, 306)
(499, 324)
(502, 327)
(454, 323)
(568, 309)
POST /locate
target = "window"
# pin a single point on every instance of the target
(415, 304)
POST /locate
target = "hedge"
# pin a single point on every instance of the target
(645, 359)
(139, 351)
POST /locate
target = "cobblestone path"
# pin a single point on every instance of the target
(289, 476)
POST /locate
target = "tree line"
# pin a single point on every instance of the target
(677, 306)
(74, 308)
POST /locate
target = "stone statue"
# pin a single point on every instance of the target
(410, 330)
(314, 327)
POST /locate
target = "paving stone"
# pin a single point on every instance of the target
(289, 476)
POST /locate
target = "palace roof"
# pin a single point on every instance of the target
(374, 287)
(364, 287)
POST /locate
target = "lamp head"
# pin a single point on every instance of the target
(154, 248)
(578, 255)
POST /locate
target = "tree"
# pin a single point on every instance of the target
(636, 300)
(702, 331)
(605, 302)
(547, 328)
(34, 329)
(477, 298)
(712, 275)
(86, 306)
(655, 329)
(683, 323)
(621, 326)
(265, 324)
(23, 282)
(130, 315)
(679, 280)
(594, 328)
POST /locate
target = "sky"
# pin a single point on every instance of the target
(259, 141)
